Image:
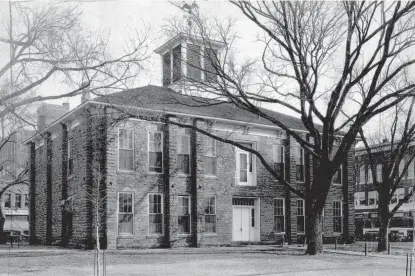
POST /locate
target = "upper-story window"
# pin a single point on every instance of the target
(279, 160)
(7, 200)
(379, 172)
(18, 200)
(362, 174)
(183, 153)
(210, 60)
(155, 152)
(369, 175)
(70, 156)
(194, 62)
(245, 166)
(172, 65)
(338, 176)
(125, 149)
(209, 156)
(26, 200)
(299, 161)
(411, 170)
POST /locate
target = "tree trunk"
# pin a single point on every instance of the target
(2, 221)
(384, 225)
(314, 234)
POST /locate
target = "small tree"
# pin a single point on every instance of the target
(389, 160)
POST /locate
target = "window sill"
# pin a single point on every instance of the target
(337, 184)
(125, 172)
(300, 181)
(210, 234)
(245, 185)
(182, 175)
(69, 177)
(183, 235)
(210, 176)
(154, 173)
(154, 236)
(125, 236)
(280, 233)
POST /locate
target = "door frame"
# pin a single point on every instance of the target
(257, 227)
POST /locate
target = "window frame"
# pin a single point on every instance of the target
(379, 172)
(70, 156)
(148, 151)
(338, 171)
(251, 176)
(302, 158)
(283, 215)
(132, 149)
(275, 154)
(341, 216)
(214, 214)
(303, 215)
(9, 194)
(213, 157)
(20, 200)
(362, 174)
(162, 213)
(26, 200)
(178, 215)
(177, 153)
(118, 213)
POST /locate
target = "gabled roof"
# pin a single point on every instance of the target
(167, 100)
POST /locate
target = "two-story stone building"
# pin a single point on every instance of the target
(166, 185)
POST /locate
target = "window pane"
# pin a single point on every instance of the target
(166, 69)
(300, 224)
(210, 223)
(300, 172)
(7, 200)
(209, 165)
(125, 224)
(18, 201)
(194, 62)
(184, 224)
(279, 224)
(156, 223)
(183, 163)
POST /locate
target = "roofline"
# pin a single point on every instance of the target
(167, 112)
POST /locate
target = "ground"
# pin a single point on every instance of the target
(270, 261)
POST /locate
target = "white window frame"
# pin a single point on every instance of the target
(215, 214)
(341, 176)
(205, 138)
(276, 155)
(341, 216)
(362, 174)
(188, 151)
(190, 215)
(303, 215)
(251, 176)
(118, 213)
(132, 149)
(302, 152)
(283, 214)
(162, 213)
(148, 151)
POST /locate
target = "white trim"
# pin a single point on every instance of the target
(118, 213)
(162, 214)
(283, 212)
(118, 148)
(148, 151)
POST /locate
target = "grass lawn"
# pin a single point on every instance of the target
(248, 264)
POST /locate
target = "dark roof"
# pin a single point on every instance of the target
(167, 100)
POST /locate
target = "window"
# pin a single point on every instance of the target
(177, 61)
(125, 149)
(245, 165)
(155, 213)
(184, 214)
(166, 69)
(279, 160)
(299, 161)
(7, 200)
(183, 154)
(300, 216)
(369, 175)
(411, 169)
(372, 195)
(362, 198)
(26, 200)
(279, 215)
(18, 200)
(401, 167)
(362, 174)
(209, 156)
(194, 64)
(323, 225)
(337, 216)
(125, 213)
(210, 59)
(379, 172)
(210, 214)
(155, 146)
(70, 156)
(338, 176)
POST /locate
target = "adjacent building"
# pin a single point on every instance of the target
(168, 185)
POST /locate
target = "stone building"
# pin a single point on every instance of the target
(166, 185)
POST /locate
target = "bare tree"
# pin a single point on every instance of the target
(335, 65)
(388, 163)
(48, 45)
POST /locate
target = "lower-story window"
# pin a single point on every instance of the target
(300, 216)
(337, 216)
(155, 213)
(125, 213)
(183, 214)
(210, 214)
(279, 217)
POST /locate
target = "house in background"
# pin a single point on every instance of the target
(366, 196)
(171, 186)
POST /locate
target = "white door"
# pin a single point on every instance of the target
(241, 223)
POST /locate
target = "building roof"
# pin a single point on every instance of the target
(167, 100)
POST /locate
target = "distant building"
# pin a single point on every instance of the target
(171, 186)
(366, 196)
